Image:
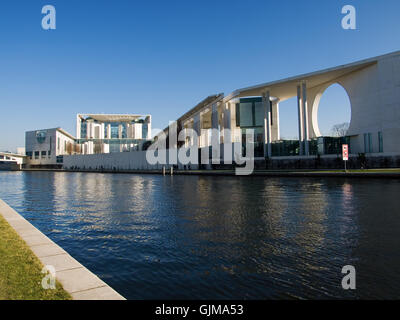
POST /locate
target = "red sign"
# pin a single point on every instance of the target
(345, 152)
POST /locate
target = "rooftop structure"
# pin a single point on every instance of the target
(104, 133)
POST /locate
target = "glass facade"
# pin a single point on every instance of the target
(114, 130)
(112, 133)
(250, 115)
(83, 130)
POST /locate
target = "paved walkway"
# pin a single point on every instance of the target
(78, 281)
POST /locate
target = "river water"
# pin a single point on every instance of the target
(198, 237)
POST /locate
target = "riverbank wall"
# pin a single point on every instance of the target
(137, 160)
(77, 280)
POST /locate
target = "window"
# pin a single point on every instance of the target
(380, 141)
(29, 154)
(36, 154)
(145, 131)
(123, 131)
(44, 154)
(259, 114)
(250, 113)
(246, 115)
(49, 154)
(114, 131)
(368, 142)
(83, 130)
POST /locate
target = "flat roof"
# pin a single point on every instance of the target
(57, 129)
(112, 117)
(10, 154)
(287, 88)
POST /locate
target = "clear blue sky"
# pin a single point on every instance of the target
(163, 57)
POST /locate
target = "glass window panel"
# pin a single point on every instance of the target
(259, 114)
(246, 114)
(114, 130)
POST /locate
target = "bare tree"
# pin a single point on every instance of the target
(340, 130)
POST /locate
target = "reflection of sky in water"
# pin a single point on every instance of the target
(151, 236)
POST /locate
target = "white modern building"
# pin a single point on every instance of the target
(109, 133)
(373, 88)
(46, 147)
(11, 161)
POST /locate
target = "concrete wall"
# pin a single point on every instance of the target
(374, 94)
(135, 160)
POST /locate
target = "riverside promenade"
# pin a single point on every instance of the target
(77, 280)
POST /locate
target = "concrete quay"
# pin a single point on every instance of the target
(77, 280)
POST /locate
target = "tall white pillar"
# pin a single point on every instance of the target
(275, 121)
(305, 118)
(120, 131)
(267, 124)
(102, 131)
(129, 131)
(109, 131)
(300, 119)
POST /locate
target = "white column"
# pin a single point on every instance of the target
(129, 130)
(109, 131)
(305, 118)
(119, 131)
(267, 124)
(300, 119)
(102, 131)
(275, 113)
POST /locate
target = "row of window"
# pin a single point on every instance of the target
(114, 130)
(38, 154)
(250, 113)
(369, 143)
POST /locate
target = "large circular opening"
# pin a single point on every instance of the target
(334, 112)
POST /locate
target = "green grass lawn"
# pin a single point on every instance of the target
(20, 270)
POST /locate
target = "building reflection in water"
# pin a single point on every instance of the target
(153, 236)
